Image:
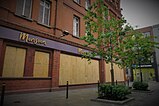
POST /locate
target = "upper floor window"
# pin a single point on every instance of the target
(23, 8)
(77, 1)
(44, 15)
(146, 34)
(76, 25)
(87, 4)
(87, 28)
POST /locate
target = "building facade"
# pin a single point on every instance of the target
(156, 53)
(36, 55)
(150, 71)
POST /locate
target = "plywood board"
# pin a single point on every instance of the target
(77, 70)
(14, 62)
(118, 73)
(41, 64)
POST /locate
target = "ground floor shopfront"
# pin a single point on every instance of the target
(146, 73)
(31, 63)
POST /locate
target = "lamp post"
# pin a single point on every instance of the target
(64, 33)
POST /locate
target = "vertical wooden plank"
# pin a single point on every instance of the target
(41, 64)
(95, 71)
(64, 69)
(9, 62)
(20, 61)
(108, 75)
(14, 62)
(80, 73)
(118, 73)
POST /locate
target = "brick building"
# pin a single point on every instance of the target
(36, 55)
(150, 70)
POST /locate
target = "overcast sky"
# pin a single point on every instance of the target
(141, 13)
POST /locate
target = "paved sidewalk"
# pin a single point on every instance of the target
(79, 97)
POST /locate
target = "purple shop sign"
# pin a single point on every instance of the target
(15, 35)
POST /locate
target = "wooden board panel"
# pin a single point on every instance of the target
(14, 62)
(77, 70)
(64, 69)
(108, 75)
(20, 60)
(118, 73)
(41, 64)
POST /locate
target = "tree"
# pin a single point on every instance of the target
(107, 41)
(138, 49)
(114, 43)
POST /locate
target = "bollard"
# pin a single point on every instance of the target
(67, 90)
(116, 82)
(98, 86)
(128, 82)
(2, 94)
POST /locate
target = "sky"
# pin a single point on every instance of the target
(141, 13)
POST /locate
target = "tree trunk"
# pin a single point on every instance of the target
(112, 73)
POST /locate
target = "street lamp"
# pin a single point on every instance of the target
(65, 33)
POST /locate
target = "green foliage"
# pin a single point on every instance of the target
(138, 48)
(113, 92)
(115, 43)
(140, 85)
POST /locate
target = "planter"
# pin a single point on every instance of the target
(113, 101)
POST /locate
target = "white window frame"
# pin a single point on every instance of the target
(87, 4)
(24, 9)
(146, 34)
(86, 28)
(77, 1)
(76, 26)
(44, 10)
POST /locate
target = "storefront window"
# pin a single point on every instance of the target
(41, 64)
(14, 62)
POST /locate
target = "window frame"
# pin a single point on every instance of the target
(44, 7)
(87, 27)
(87, 4)
(76, 28)
(147, 34)
(77, 1)
(22, 12)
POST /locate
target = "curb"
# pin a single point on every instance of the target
(112, 101)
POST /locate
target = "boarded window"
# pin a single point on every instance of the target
(14, 62)
(41, 64)
(23, 8)
(77, 70)
(118, 73)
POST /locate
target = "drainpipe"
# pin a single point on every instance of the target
(55, 21)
